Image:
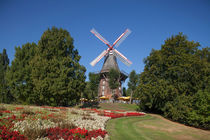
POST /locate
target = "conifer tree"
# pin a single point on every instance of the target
(124, 91)
(133, 83)
(4, 62)
(19, 74)
(57, 76)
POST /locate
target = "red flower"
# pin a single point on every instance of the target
(7, 134)
(19, 108)
(76, 134)
(5, 111)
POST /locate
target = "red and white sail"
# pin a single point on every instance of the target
(119, 40)
(122, 57)
(122, 38)
(97, 59)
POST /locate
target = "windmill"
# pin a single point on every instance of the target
(110, 62)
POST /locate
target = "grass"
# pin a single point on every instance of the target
(118, 106)
(150, 127)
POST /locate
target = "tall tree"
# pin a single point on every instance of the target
(172, 78)
(94, 83)
(57, 76)
(19, 74)
(114, 77)
(87, 94)
(124, 91)
(4, 62)
(133, 83)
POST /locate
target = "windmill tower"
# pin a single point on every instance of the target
(110, 62)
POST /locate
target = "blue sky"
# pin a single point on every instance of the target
(151, 22)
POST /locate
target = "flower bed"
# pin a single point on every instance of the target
(6, 134)
(6, 125)
(42, 123)
(77, 133)
(116, 113)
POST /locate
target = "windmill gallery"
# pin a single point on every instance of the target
(110, 62)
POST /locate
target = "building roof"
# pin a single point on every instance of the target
(110, 62)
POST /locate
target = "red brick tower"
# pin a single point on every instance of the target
(110, 62)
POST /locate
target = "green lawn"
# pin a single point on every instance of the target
(152, 127)
(118, 106)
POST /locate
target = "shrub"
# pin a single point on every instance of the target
(56, 119)
(190, 110)
(74, 112)
(2, 109)
(67, 125)
(28, 112)
(87, 118)
(34, 133)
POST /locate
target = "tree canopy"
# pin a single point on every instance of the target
(47, 73)
(4, 62)
(133, 83)
(173, 78)
(114, 77)
(94, 80)
(19, 74)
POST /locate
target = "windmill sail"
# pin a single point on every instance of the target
(111, 48)
(99, 36)
(97, 59)
(122, 38)
(122, 57)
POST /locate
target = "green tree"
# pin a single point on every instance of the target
(87, 94)
(172, 78)
(57, 76)
(114, 77)
(94, 80)
(133, 83)
(124, 91)
(4, 62)
(200, 115)
(19, 74)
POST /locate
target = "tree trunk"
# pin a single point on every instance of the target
(131, 96)
(81, 95)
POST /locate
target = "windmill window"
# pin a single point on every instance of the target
(102, 93)
(103, 82)
(103, 87)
